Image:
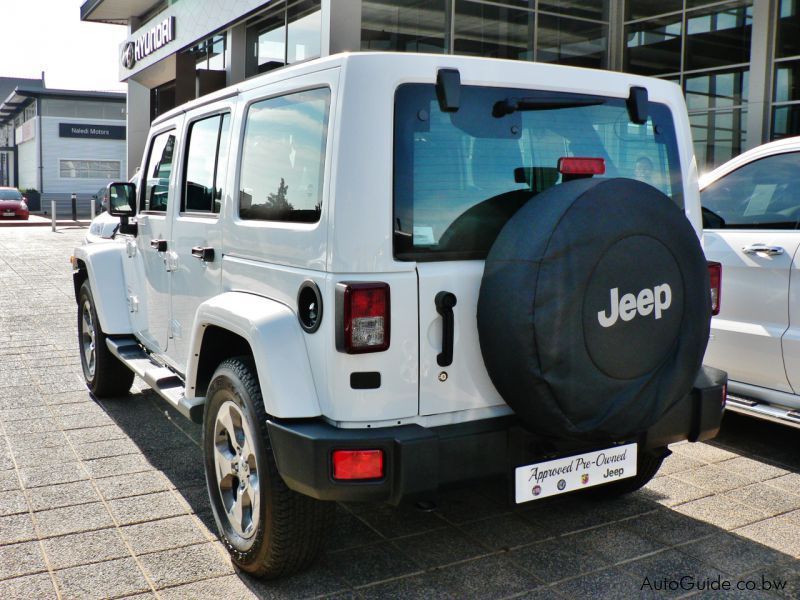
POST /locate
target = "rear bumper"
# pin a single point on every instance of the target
(418, 460)
(18, 214)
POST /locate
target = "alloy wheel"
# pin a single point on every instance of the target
(236, 469)
(88, 338)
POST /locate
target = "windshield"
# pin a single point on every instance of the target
(10, 195)
(460, 176)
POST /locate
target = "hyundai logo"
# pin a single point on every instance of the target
(128, 56)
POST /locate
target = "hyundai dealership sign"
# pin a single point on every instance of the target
(151, 40)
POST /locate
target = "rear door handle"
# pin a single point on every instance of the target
(159, 245)
(445, 301)
(204, 254)
(763, 249)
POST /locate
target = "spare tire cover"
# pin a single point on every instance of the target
(594, 309)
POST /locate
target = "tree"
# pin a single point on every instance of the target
(278, 202)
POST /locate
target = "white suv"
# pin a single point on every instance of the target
(751, 210)
(372, 275)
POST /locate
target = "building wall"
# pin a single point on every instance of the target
(27, 160)
(55, 149)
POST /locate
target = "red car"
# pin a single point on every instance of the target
(13, 204)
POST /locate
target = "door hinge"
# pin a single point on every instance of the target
(175, 329)
(133, 304)
(130, 248)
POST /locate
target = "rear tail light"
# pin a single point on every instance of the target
(715, 275)
(363, 317)
(357, 464)
(581, 166)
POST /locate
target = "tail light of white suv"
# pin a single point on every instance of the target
(362, 317)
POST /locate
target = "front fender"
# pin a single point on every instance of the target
(279, 351)
(105, 270)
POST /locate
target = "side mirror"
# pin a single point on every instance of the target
(122, 199)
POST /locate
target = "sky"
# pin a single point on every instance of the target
(48, 35)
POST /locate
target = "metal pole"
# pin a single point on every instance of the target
(74, 206)
(92, 207)
(53, 215)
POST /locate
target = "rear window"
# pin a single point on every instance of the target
(458, 177)
(10, 195)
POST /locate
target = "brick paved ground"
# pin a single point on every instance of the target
(107, 499)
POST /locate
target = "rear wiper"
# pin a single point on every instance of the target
(549, 102)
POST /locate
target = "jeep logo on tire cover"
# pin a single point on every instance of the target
(649, 301)
(633, 306)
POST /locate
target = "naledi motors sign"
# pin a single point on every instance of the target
(151, 40)
(103, 132)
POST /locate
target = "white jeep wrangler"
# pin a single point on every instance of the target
(372, 275)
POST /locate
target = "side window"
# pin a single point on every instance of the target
(284, 157)
(207, 150)
(759, 195)
(157, 172)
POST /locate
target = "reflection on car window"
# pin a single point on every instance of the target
(459, 176)
(158, 171)
(205, 164)
(760, 195)
(10, 195)
(284, 157)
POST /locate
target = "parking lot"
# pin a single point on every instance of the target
(108, 499)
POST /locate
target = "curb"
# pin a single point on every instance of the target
(29, 223)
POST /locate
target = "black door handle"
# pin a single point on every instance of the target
(204, 254)
(159, 245)
(445, 301)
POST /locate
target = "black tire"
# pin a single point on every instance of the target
(557, 333)
(285, 531)
(647, 465)
(105, 375)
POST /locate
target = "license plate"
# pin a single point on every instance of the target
(8, 213)
(562, 475)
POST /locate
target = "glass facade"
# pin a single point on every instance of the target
(494, 31)
(5, 168)
(785, 119)
(573, 32)
(286, 33)
(209, 64)
(404, 25)
(210, 54)
(162, 99)
(704, 46)
(568, 41)
(89, 169)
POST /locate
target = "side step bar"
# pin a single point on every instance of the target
(746, 406)
(168, 385)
